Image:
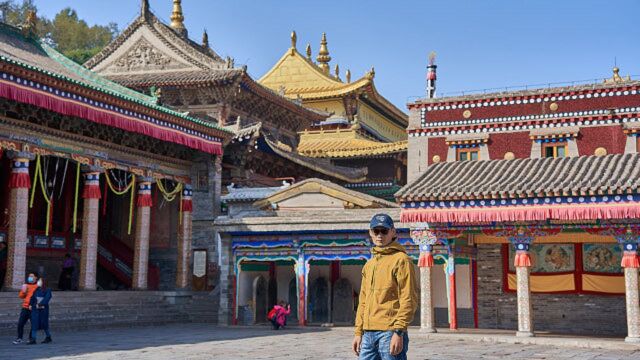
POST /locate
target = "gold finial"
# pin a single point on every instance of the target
(177, 18)
(336, 70)
(616, 78)
(347, 75)
(308, 51)
(205, 39)
(294, 39)
(371, 73)
(29, 26)
(323, 55)
(158, 95)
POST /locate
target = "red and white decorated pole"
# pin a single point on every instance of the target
(143, 198)
(630, 263)
(184, 239)
(19, 178)
(425, 239)
(522, 263)
(91, 188)
(90, 219)
(431, 76)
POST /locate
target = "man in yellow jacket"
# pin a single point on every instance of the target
(388, 296)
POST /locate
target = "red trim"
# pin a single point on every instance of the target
(19, 181)
(187, 205)
(73, 108)
(523, 213)
(577, 250)
(91, 192)
(425, 259)
(144, 200)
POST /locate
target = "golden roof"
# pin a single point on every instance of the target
(340, 143)
(300, 77)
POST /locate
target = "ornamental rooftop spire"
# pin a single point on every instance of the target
(177, 19)
(323, 55)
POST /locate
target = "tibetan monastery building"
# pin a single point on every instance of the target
(544, 184)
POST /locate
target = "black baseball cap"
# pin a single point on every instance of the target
(381, 220)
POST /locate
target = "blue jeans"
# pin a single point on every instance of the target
(375, 346)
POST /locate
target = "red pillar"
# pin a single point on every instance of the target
(451, 274)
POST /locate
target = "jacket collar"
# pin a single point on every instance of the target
(392, 248)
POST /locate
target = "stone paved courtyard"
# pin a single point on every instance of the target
(198, 341)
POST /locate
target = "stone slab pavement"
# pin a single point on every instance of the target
(202, 341)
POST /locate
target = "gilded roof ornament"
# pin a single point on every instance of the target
(308, 51)
(371, 73)
(177, 18)
(616, 78)
(294, 39)
(323, 57)
(347, 75)
(336, 70)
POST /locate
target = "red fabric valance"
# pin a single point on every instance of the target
(70, 107)
(626, 210)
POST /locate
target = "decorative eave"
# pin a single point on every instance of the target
(322, 166)
(631, 128)
(204, 56)
(573, 188)
(351, 198)
(248, 194)
(563, 132)
(466, 139)
(52, 79)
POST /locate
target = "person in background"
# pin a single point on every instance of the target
(66, 276)
(280, 315)
(40, 312)
(25, 293)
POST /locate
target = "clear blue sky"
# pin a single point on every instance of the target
(480, 44)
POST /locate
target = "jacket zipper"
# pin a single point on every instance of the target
(371, 290)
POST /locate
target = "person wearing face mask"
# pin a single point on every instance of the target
(388, 296)
(40, 312)
(25, 293)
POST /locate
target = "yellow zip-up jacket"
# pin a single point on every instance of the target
(388, 294)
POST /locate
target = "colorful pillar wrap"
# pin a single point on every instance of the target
(630, 255)
(19, 177)
(426, 256)
(144, 194)
(91, 188)
(522, 255)
(187, 203)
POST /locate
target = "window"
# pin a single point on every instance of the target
(554, 150)
(468, 154)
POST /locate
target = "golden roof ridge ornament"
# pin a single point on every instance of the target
(177, 19)
(347, 76)
(294, 39)
(616, 78)
(323, 57)
(336, 70)
(309, 52)
(371, 73)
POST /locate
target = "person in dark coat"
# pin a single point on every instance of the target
(40, 312)
(66, 275)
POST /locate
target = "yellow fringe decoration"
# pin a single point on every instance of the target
(169, 196)
(129, 187)
(38, 176)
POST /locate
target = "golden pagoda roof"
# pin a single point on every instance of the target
(344, 143)
(298, 76)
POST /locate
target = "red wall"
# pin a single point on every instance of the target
(437, 146)
(518, 143)
(610, 137)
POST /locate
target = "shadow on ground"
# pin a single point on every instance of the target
(86, 343)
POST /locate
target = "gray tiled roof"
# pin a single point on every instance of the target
(495, 179)
(249, 194)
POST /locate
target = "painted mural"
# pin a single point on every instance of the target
(548, 258)
(601, 258)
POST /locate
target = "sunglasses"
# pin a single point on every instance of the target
(382, 231)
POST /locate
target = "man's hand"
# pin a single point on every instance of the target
(396, 345)
(357, 341)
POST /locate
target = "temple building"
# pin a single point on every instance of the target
(363, 129)
(96, 170)
(543, 184)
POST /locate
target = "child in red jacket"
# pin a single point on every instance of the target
(25, 313)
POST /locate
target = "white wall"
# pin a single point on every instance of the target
(284, 274)
(245, 288)
(463, 286)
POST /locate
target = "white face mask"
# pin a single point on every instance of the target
(39, 283)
